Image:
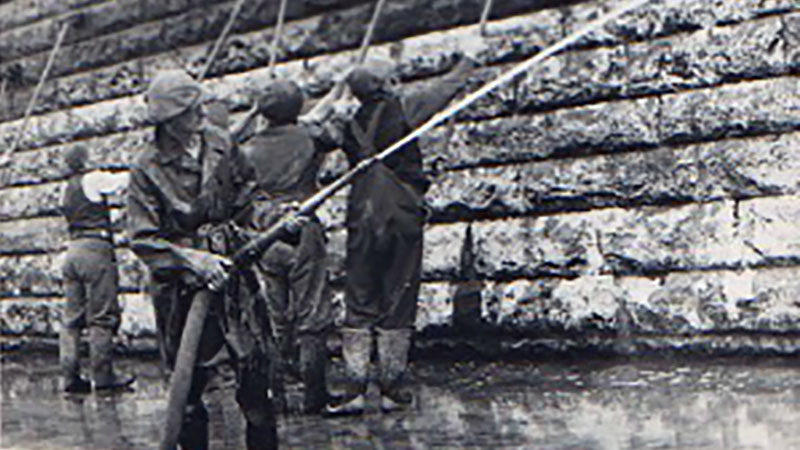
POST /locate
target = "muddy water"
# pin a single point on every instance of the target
(664, 404)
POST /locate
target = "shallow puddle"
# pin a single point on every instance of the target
(624, 404)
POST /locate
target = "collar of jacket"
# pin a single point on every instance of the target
(170, 150)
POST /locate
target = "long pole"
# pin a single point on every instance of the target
(487, 8)
(5, 158)
(191, 334)
(367, 40)
(505, 78)
(253, 249)
(338, 88)
(241, 129)
(221, 39)
(3, 90)
(180, 381)
(451, 123)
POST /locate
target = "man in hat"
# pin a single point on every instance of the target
(283, 161)
(90, 277)
(385, 216)
(186, 181)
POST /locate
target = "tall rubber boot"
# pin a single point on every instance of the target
(393, 346)
(194, 429)
(69, 358)
(313, 362)
(100, 353)
(264, 437)
(261, 430)
(356, 349)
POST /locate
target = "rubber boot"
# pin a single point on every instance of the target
(100, 352)
(68, 345)
(313, 362)
(261, 431)
(356, 349)
(393, 346)
(263, 437)
(194, 429)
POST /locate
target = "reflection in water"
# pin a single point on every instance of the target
(674, 405)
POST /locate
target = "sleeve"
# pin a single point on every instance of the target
(220, 193)
(244, 180)
(327, 136)
(144, 227)
(421, 105)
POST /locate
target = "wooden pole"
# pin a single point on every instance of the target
(253, 249)
(276, 38)
(367, 40)
(218, 45)
(450, 130)
(6, 156)
(338, 88)
(487, 8)
(180, 381)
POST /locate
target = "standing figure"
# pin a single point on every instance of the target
(283, 161)
(385, 217)
(186, 181)
(90, 278)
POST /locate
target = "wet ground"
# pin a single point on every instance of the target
(613, 404)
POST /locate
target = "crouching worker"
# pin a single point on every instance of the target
(283, 161)
(385, 218)
(181, 183)
(90, 278)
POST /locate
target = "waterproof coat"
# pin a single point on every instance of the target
(385, 212)
(173, 199)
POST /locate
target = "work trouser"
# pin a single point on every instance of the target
(383, 275)
(90, 285)
(296, 281)
(298, 296)
(172, 301)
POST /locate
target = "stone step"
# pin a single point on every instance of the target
(41, 316)
(756, 301)
(729, 169)
(761, 107)
(511, 39)
(739, 109)
(101, 18)
(322, 30)
(595, 82)
(649, 241)
(19, 13)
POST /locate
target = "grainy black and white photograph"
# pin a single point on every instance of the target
(399, 224)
